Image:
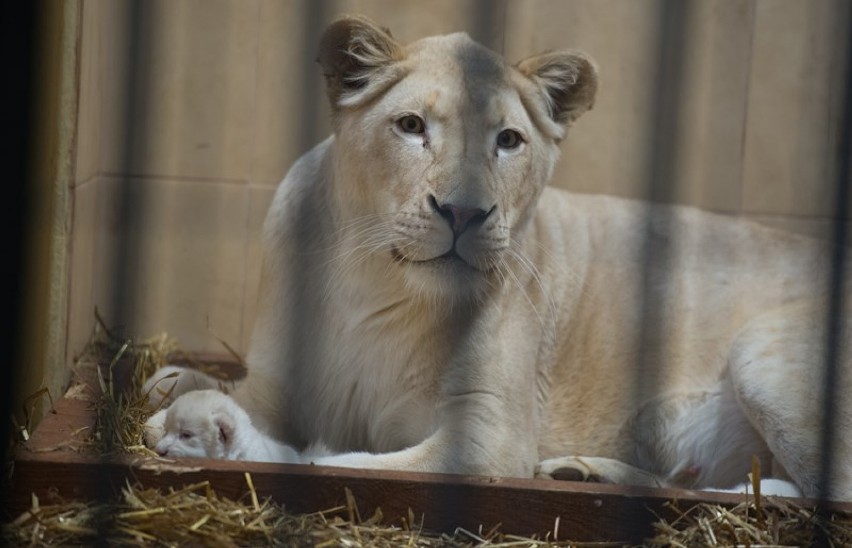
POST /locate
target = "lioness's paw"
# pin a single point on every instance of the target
(568, 469)
(595, 469)
(155, 428)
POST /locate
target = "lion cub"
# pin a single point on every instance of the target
(208, 423)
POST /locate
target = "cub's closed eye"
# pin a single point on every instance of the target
(411, 123)
(185, 435)
(509, 138)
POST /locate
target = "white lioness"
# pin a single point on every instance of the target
(428, 304)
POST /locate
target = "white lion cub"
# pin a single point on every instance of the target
(208, 423)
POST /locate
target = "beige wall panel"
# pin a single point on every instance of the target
(410, 20)
(793, 107)
(87, 155)
(194, 112)
(604, 151)
(713, 110)
(292, 112)
(111, 62)
(191, 250)
(81, 317)
(259, 199)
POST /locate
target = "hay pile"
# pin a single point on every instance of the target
(762, 521)
(196, 515)
(757, 521)
(120, 367)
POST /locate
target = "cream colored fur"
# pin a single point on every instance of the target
(541, 332)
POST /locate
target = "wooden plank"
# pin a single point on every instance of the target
(585, 511)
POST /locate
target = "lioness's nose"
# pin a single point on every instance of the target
(459, 217)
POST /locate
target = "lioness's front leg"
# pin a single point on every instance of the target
(478, 433)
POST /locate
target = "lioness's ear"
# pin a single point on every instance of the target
(356, 55)
(568, 79)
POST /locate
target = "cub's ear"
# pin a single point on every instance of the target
(226, 424)
(357, 56)
(568, 80)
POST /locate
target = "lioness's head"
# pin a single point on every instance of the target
(442, 148)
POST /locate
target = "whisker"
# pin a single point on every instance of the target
(511, 272)
(354, 248)
(365, 221)
(530, 267)
(565, 272)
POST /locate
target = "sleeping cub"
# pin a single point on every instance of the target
(208, 423)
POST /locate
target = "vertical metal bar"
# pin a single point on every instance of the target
(835, 320)
(316, 15)
(292, 345)
(132, 132)
(669, 53)
(481, 20)
(484, 17)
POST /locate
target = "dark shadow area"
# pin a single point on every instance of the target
(132, 131)
(19, 44)
(836, 321)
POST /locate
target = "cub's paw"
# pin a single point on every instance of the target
(160, 387)
(155, 428)
(170, 381)
(595, 470)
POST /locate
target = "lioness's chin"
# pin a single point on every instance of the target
(447, 277)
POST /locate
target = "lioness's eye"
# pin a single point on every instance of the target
(411, 124)
(509, 138)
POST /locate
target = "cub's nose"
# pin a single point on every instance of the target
(459, 217)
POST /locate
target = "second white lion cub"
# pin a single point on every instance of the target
(208, 423)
